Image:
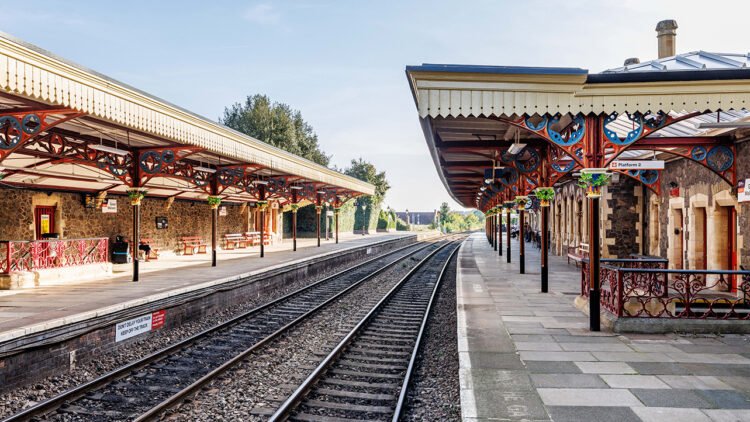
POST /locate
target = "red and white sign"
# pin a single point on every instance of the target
(637, 165)
(142, 324)
(109, 206)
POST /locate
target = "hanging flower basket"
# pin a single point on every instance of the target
(214, 202)
(521, 201)
(592, 181)
(545, 196)
(294, 207)
(262, 205)
(136, 195)
(318, 209)
(336, 210)
(508, 205)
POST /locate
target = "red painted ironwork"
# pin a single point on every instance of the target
(647, 289)
(22, 255)
(20, 126)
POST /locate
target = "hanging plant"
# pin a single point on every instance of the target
(294, 207)
(545, 196)
(521, 201)
(213, 202)
(318, 209)
(592, 180)
(336, 210)
(136, 195)
(262, 205)
(508, 205)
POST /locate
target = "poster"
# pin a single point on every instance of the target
(222, 211)
(44, 224)
(743, 191)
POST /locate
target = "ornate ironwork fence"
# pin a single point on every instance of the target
(645, 288)
(22, 255)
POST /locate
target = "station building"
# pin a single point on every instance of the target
(669, 134)
(86, 160)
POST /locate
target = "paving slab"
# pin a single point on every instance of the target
(667, 414)
(530, 356)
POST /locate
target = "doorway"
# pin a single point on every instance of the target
(44, 221)
(678, 248)
(700, 242)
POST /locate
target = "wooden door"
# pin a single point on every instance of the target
(44, 220)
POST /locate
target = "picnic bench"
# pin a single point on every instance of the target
(153, 252)
(193, 245)
(577, 253)
(235, 241)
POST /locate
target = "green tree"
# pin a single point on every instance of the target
(444, 210)
(367, 172)
(276, 124)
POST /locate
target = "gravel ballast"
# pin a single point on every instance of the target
(435, 392)
(18, 399)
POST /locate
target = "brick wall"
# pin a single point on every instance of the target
(74, 220)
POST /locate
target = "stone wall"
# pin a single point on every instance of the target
(700, 192)
(620, 217)
(74, 220)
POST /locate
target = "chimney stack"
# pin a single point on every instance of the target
(666, 34)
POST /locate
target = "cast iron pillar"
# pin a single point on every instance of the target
(494, 231)
(336, 222)
(294, 220)
(263, 205)
(500, 233)
(136, 237)
(318, 208)
(507, 237)
(214, 229)
(521, 243)
(594, 256)
(545, 255)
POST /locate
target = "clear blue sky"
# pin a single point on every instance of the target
(342, 62)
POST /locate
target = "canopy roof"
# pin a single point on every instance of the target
(95, 109)
(470, 115)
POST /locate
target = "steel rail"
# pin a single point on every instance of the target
(79, 391)
(415, 352)
(288, 406)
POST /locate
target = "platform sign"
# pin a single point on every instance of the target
(142, 324)
(109, 206)
(743, 191)
(637, 165)
(222, 211)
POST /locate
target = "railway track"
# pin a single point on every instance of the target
(367, 375)
(147, 387)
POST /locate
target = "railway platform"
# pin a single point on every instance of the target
(527, 355)
(28, 311)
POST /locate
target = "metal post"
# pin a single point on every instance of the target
(294, 230)
(500, 233)
(317, 221)
(214, 229)
(507, 224)
(336, 222)
(136, 238)
(494, 232)
(262, 231)
(521, 241)
(594, 255)
(545, 255)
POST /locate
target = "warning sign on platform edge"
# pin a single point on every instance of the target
(139, 325)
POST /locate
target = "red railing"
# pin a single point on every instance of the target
(647, 289)
(22, 255)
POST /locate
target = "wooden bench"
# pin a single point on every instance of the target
(154, 252)
(193, 245)
(577, 253)
(253, 238)
(235, 241)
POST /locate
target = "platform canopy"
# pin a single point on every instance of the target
(66, 127)
(693, 106)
